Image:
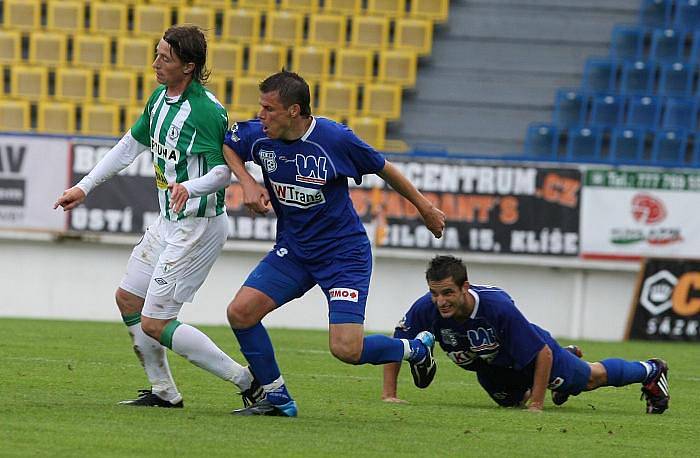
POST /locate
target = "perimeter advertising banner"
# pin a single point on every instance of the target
(667, 302)
(640, 213)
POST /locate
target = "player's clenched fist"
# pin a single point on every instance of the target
(70, 199)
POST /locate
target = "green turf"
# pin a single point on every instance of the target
(60, 381)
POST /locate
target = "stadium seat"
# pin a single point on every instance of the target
(353, 64)
(135, 53)
(415, 34)
(667, 45)
(435, 10)
(47, 48)
(29, 82)
(91, 50)
(387, 8)
(240, 115)
(627, 145)
(351, 8)
(108, 18)
(643, 111)
(370, 129)
(600, 75)
(313, 62)
(149, 85)
(221, 4)
(265, 5)
(284, 28)
(151, 20)
(638, 77)
(370, 32)
(14, 115)
(100, 120)
(669, 147)
(117, 87)
(10, 47)
(266, 59)
(246, 95)
(627, 42)
(542, 141)
(302, 6)
(676, 79)
(687, 16)
(225, 59)
(398, 66)
(65, 16)
(22, 14)
(607, 110)
(680, 114)
(655, 13)
(327, 30)
(241, 25)
(218, 85)
(199, 16)
(382, 100)
(74, 84)
(171, 2)
(56, 117)
(131, 115)
(570, 108)
(337, 98)
(584, 144)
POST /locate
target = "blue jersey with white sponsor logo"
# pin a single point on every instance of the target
(308, 182)
(495, 333)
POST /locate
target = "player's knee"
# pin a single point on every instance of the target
(152, 327)
(239, 316)
(127, 302)
(350, 354)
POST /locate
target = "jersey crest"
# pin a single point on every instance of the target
(268, 160)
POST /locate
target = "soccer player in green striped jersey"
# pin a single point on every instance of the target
(183, 125)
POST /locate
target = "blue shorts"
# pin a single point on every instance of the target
(344, 279)
(505, 386)
(569, 374)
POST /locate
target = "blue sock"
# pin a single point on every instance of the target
(257, 348)
(621, 372)
(379, 349)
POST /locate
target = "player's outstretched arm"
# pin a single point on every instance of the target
(218, 177)
(70, 199)
(543, 368)
(391, 376)
(255, 196)
(433, 217)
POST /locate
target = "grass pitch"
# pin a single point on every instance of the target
(60, 381)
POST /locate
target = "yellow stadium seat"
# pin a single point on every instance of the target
(241, 25)
(327, 30)
(347, 7)
(65, 16)
(134, 53)
(284, 27)
(108, 18)
(221, 4)
(22, 14)
(74, 84)
(170, 2)
(246, 94)
(91, 50)
(266, 59)
(149, 84)
(371, 129)
(217, 86)
(265, 5)
(390, 8)
(225, 59)
(131, 114)
(416, 34)
(117, 87)
(56, 117)
(240, 115)
(151, 20)
(14, 115)
(199, 16)
(435, 10)
(31, 83)
(101, 120)
(382, 100)
(303, 6)
(10, 46)
(312, 62)
(337, 98)
(354, 64)
(370, 32)
(47, 48)
(398, 66)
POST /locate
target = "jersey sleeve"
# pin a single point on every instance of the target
(360, 158)
(210, 134)
(521, 340)
(418, 318)
(238, 139)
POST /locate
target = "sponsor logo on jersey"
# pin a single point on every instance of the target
(343, 294)
(268, 160)
(311, 169)
(161, 181)
(297, 196)
(462, 358)
(233, 130)
(173, 132)
(164, 152)
(281, 252)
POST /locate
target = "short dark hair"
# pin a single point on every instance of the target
(190, 45)
(291, 89)
(443, 267)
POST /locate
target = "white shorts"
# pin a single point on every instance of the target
(171, 262)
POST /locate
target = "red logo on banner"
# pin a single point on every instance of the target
(647, 209)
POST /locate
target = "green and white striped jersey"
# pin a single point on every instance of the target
(186, 137)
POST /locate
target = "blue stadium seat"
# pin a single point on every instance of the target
(669, 147)
(680, 114)
(627, 42)
(676, 79)
(655, 13)
(600, 75)
(542, 141)
(607, 110)
(638, 77)
(570, 108)
(627, 145)
(667, 45)
(687, 15)
(643, 111)
(584, 144)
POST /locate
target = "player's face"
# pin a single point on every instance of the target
(450, 298)
(169, 68)
(275, 118)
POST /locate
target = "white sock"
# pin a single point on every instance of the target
(155, 362)
(278, 382)
(648, 367)
(406, 349)
(192, 344)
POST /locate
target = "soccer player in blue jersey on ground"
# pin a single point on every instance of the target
(481, 329)
(306, 163)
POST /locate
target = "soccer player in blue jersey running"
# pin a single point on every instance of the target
(306, 163)
(481, 329)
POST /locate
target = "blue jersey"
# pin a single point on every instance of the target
(308, 183)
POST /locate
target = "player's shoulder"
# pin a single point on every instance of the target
(492, 298)
(329, 130)
(251, 129)
(205, 100)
